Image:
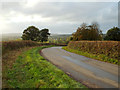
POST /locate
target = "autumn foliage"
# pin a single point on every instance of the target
(108, 48)
(91, 32)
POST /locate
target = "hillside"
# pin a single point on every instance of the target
(11, 36)
(14, 36)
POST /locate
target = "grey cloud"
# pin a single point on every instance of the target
(66, 16)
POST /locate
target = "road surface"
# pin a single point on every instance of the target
(93, 73)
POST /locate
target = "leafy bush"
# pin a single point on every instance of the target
(108, 48)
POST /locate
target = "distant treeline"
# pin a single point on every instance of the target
(63, 38)
(84, 32)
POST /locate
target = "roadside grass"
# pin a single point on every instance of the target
(8, 59)
(31, 70)
(100, 57)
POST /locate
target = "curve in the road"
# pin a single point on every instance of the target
(91, 72)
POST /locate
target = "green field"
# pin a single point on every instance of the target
(31, 70)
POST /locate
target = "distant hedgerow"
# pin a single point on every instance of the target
(13, 45)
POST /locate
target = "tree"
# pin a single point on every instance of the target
(91, 32)
(113, 34)
(34, 34)
(44, 33)
(31, 33)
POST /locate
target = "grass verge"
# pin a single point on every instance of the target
(31, 70)
(100, 57)
(8, 59)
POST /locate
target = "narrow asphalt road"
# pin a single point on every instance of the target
(93, 73)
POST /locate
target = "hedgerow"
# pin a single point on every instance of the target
(108, 48)
(13, 45)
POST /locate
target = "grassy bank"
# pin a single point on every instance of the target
(100, 57)
(31, 70)
(8, 59)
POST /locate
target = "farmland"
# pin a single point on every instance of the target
(53, 38)
(59, 44)
(11, 36)
(16, 55)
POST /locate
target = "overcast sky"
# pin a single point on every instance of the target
(58, 17)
